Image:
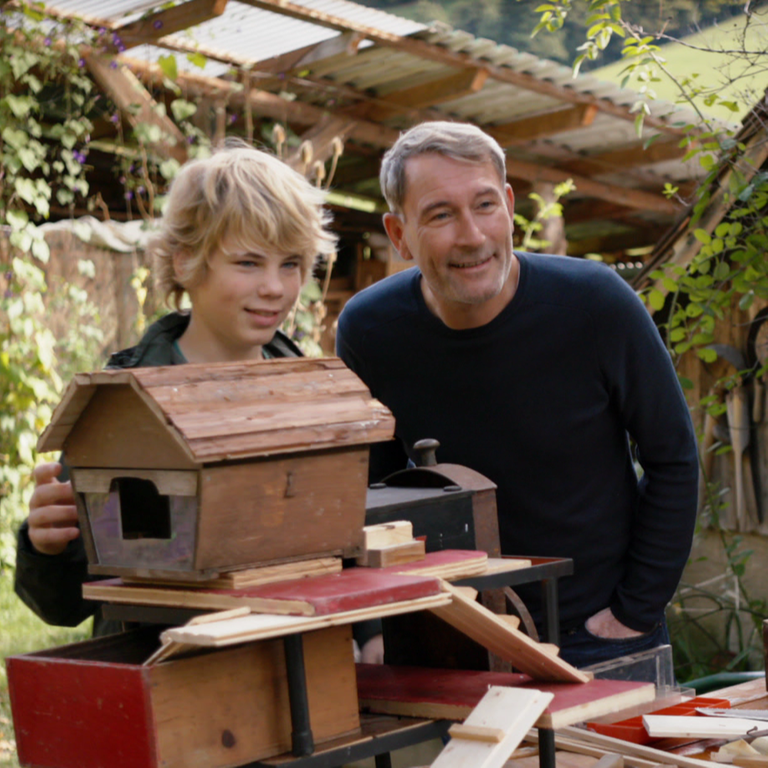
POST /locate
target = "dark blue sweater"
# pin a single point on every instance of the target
(543, 400)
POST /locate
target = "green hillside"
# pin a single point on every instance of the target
(719, 64)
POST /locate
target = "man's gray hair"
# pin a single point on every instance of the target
(458, 141)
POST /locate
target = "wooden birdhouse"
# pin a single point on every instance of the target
(183, 472)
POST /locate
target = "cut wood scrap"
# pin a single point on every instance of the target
(484, 627)
(627, 748)
(677, 726)
(494, 729)
(262, 626)
(453, 693)
(387, 534)
(610, 760)
(252, 577)
(395, 554)
(448, 564)
(351, 589)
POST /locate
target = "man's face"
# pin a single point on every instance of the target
(457, 225)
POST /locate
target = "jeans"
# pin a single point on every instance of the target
(581, 648)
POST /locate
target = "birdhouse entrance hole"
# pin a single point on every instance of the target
(144, 513)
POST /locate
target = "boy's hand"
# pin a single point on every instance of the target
(52, 512)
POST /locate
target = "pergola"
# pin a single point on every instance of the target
(332, 72)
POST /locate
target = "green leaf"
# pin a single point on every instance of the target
(656, 299)
(702, 236)
(722, 271)
(745, 302)
(707, 355)
(168, 65)
(198, 59)
(685, 383)
(182, 109)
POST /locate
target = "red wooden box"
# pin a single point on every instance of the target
(93, 704)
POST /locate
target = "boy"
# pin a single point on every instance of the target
(239, 236)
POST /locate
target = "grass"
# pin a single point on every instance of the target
(23, 632)
(734, 77)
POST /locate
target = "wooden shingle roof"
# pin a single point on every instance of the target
(239, 410)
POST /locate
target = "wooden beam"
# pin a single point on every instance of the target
(462, 83)
(632, 198)
(541, 126)
(625, 158)
(136, 104)
(175, 19)
(432, 52)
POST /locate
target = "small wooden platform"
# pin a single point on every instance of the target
(453, 693)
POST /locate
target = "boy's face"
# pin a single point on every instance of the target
(241, 301)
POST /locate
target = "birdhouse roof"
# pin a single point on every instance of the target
(228, 411)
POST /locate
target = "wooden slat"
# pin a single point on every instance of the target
(262, 626)
(679, 726)
(484, 627)
(540, 126)
(494, 729)
(167, 482)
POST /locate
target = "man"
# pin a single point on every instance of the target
(536, 371)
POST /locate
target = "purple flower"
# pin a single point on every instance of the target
(120, 47)
(81, 63)
(47, 42)
(128, 195)
(190, 139)
(157, 24)
(113, 65)
(140, 190)
(232, 119)
(122, 179)
(114, 118)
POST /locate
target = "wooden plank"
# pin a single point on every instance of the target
(679, 726)
(484, 627)
(447, 564)
(262, 626)
(353, 589)
(167, 482)
(494, 729)
(166, 22)
(453, 693)
(543, 125)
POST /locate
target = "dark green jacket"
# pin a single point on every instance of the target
(51, 585)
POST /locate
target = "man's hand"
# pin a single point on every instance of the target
(52, 512)
(605, 624)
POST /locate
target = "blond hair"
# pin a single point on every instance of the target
(458, 141)
(242, 199)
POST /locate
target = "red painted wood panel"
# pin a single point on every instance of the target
(351, 589)
(80, 714)
(464, 688)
